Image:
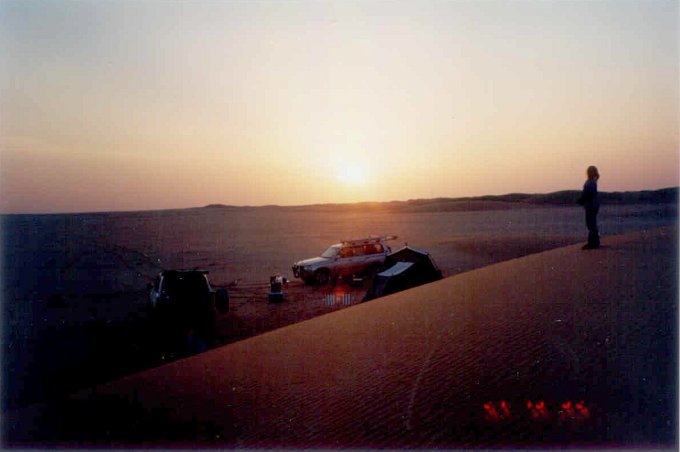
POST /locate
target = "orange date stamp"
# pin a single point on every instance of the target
(537, 410)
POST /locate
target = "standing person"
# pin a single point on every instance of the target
(591, 202)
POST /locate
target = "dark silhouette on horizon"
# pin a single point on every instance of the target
(591, 202)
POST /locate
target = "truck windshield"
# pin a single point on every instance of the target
(186, 284)
(331, 252)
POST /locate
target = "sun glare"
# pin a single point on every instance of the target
(352, 174)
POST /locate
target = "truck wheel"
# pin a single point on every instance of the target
(322, 276)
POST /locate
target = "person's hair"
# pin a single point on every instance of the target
(592, 172)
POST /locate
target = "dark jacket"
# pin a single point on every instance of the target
(589, 198)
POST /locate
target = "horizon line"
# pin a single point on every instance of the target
(334, 204)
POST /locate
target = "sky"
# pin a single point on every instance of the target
(133, 105)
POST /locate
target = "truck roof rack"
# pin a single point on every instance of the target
(369, 239)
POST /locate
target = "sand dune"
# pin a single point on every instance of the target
(426, 367)
(488, 202)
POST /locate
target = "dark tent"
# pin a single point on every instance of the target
(403, 269)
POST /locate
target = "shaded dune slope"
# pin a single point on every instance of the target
(417, 368)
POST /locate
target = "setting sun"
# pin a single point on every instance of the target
(352, 174)
(161, 105)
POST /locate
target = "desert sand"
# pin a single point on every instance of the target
(563, 347)
(74, 286)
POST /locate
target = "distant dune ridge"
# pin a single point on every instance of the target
(489, 202)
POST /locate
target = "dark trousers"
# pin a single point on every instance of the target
(591, 224)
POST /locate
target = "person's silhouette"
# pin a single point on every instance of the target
(590, 200)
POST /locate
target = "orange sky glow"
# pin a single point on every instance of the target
(150, 105)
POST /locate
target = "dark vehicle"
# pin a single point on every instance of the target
(183, 311)
(404, 269)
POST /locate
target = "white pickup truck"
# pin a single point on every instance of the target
(347, 258)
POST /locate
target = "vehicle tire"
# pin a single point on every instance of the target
(322, 276)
